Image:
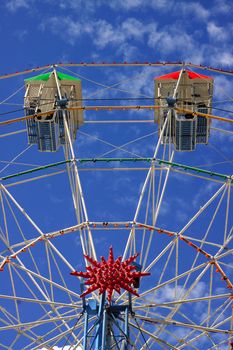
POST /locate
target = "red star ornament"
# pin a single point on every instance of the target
(110, 275)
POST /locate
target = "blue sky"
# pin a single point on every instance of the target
(36, 33)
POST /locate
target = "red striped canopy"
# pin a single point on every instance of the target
(191, 75)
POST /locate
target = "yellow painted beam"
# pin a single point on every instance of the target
(112, 108)
(210, 116)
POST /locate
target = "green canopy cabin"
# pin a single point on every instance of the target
(42, 97)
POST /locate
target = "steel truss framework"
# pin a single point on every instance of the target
(160, 318)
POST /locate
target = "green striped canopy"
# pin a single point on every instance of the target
(46, 76)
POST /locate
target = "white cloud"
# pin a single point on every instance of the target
(186, 8)
(66, 28)
(168, 293)
(77, 5)
(127, 51)
(193, 9)
(223, 87)
(126, 4)
(170, 39)
(222, 6)
(216, 32)
(72, 30)
(135, 4)
(106, 34)
(141, 83)
(181, 216)
(204, 194)
(14, 5)
(122, 36)
(199, 290)
(21, 34)
(134, 28)
(161, 4)
(126, 35)
(224, 58)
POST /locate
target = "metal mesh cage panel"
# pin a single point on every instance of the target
(185, 133)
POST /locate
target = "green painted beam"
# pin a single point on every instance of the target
(196, 170)
(107, 160)
(159, 161)
(35, 169)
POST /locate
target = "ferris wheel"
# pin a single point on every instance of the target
(116, 217)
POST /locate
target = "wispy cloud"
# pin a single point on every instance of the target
(15, 5)
(222, 7)
(223, 58)
(105, 32)
(135, 4)
(169, 293)
(216, 32)
(125, 33)
(77, 5)
(21, 34)
(223, 87)
(171, 38)
(194, 9)
(204, 191)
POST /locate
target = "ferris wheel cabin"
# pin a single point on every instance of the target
(194, 93)
(43, 99)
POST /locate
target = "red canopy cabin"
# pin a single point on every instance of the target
(194, 93)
